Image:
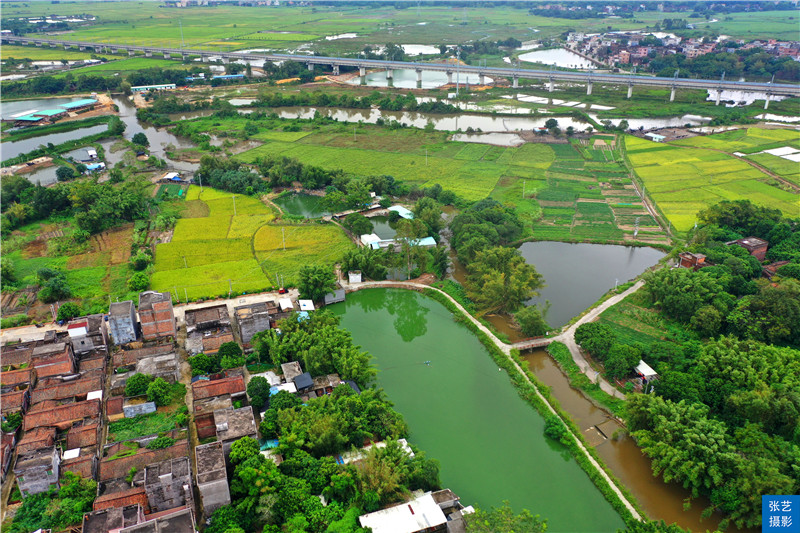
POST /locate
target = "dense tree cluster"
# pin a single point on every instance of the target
(273, 498)
(57, 510)
(499, 279)
(319, 344)
(96, 207)
(229, 175)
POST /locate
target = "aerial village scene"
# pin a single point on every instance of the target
(407, 266)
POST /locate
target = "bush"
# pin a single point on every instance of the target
(554, 428)
(140, 261)
(203, 364)
(12, 422)
(531, 321)
(139, 282)
(68, 311)
(258, 391)
(230, 355)
(140, 139)
(55, 289)
(65, 173)
(159, 391)
(137, 384)
(160, 442)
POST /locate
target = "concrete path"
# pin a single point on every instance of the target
(568, 338)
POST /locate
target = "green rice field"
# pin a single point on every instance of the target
(236, 248)
(684, 180)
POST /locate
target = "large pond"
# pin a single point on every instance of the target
(305, 205)
(578, 274)
(465, 413)
(558, 57)
(13, 149)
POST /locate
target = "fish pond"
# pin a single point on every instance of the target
(464, 412)
(305, 205)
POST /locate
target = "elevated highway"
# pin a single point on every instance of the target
(550, 76)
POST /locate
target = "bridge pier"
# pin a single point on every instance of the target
(419, 78)
(515, 82)
(766, 102)
(390, 77)
(672, 94)
(449, 77)
(82, 48)
(39, 44)
(148, 54)
(481, 79)
(335, 70)
(362, 71)
(53, 45)
(589, 89)
(184, 56)
(311, 67)
(719, 96)
(630, 90)
(550, 85)
(166, 55)
(131, 53)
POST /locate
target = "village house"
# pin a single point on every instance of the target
(233, 424)
(36, 439)
(122, 323)
(432, 512)
(755, 246)
(37, 471)
(181, 521)
(62, 417)
(8, 442)
(692, 260)
(212, 479)
(168, 484)
(213, 395)
(207, 329)
(251, 319)
(156, 315)
(771, 269)
(129, 357)
(55, 359)
(108, 520)
(88, 336)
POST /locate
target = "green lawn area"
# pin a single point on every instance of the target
(140, 426)
(683, 181)
(221, 251)
(44, 53)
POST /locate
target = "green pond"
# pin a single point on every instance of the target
(305, 205)
(464, 412)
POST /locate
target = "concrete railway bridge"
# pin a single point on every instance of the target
(549, 76)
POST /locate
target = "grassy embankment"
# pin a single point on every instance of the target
(212, 247)
(683, 180)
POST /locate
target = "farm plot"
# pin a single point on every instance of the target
(683, 181)
(746, 140)
(228, 249)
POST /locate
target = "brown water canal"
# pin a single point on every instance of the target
(661, 501)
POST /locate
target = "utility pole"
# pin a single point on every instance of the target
(186, 294)
(184, 262)
(201, 182)
(426, 157)
(354, 133)
(523, 189)
(180, 23)
(234, 204)
(283, 235)
(230, 288)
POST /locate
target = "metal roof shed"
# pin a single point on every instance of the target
(306, 305)
(402, 211)
(644, 370)
(303, 381)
